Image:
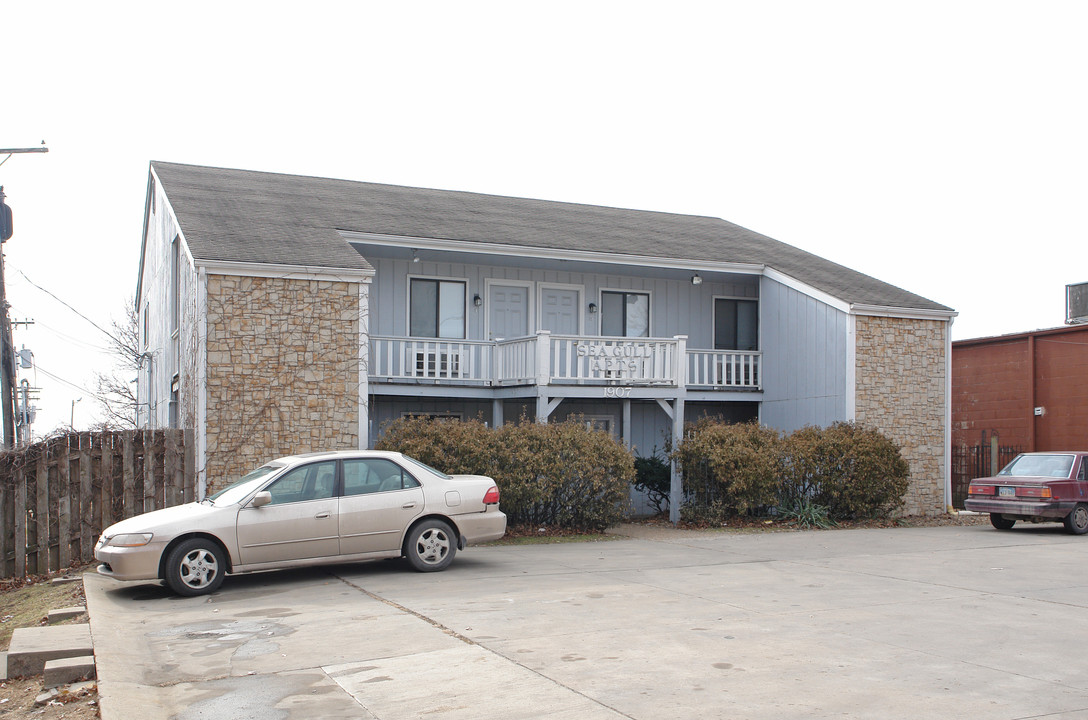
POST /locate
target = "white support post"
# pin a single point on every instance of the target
(496, 413)
(543, 358)
(680, 371)
(850, 411)
(201, 434)
(627, 423)
(676, 487)
(364, 364)
(546, 406)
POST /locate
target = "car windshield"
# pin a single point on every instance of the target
(1055, 466)
(428, 468)
(236, 491)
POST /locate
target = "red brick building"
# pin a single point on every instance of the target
(1030, 388)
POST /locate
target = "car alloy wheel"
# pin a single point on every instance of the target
(431, 546)
(195, 567)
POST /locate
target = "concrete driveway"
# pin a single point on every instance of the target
(950, 622)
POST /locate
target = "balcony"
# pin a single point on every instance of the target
(546, 359)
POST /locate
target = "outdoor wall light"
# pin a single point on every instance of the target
(592, 308)
(415, 257)
(476, 300)
(696, 280)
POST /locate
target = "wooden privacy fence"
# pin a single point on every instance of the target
(57, 496)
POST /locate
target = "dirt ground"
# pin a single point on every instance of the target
(26, 604)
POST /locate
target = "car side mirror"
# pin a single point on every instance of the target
(261, 499)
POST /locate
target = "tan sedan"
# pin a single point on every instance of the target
(307, 510)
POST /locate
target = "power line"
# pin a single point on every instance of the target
(69, 383)
(108, 334)
(64, 336)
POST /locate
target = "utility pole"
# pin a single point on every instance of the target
(24, 393)
(7, 348)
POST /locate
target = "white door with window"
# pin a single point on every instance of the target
(559, 309)
(507, 311)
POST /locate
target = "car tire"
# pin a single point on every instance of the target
(195, 567)
(431, 546)
(1001, 522)
(1076, 521)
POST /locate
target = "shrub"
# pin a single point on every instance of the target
(853, 471)
(457, 447)
(813, 476)
(728, 469)
(564, 474)
(807, 514)
(561, 474)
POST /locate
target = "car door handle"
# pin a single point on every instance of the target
(408, 505)
(321, 515)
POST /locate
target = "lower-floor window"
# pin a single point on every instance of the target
(433, 415)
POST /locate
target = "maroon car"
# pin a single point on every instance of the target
(1038, 487)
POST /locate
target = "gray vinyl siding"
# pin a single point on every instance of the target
(805, 349)
(677, 308)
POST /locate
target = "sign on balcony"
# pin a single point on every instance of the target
(621, 359)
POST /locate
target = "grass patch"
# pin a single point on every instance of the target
(555, 539)
(549, 535)
(28, 606)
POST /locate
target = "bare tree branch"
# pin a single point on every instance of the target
(116, 391)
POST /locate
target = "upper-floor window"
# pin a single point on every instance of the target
(175, 284)
(437, 308)
(625, 314)
(147, 319)
(736, 324)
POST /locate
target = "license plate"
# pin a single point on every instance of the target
(1006, 492)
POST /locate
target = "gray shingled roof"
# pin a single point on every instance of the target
(246, 216)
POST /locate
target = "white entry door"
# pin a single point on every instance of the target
(508, 311)
(559, 308)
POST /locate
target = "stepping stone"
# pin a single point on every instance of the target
(46, 696)
(32, 647)
(55, 616)
(63, 671)
(66, 579)
(3, 666)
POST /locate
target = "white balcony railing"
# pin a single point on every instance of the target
(423, 359)
(546, 359)
(724, 368)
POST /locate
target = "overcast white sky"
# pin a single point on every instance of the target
(938, 146)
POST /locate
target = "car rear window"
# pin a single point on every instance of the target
(426, 467)
(1055, 466)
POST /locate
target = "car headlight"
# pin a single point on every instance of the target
(129, 540)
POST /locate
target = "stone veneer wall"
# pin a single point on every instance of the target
(902, 368)
(282, 371)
